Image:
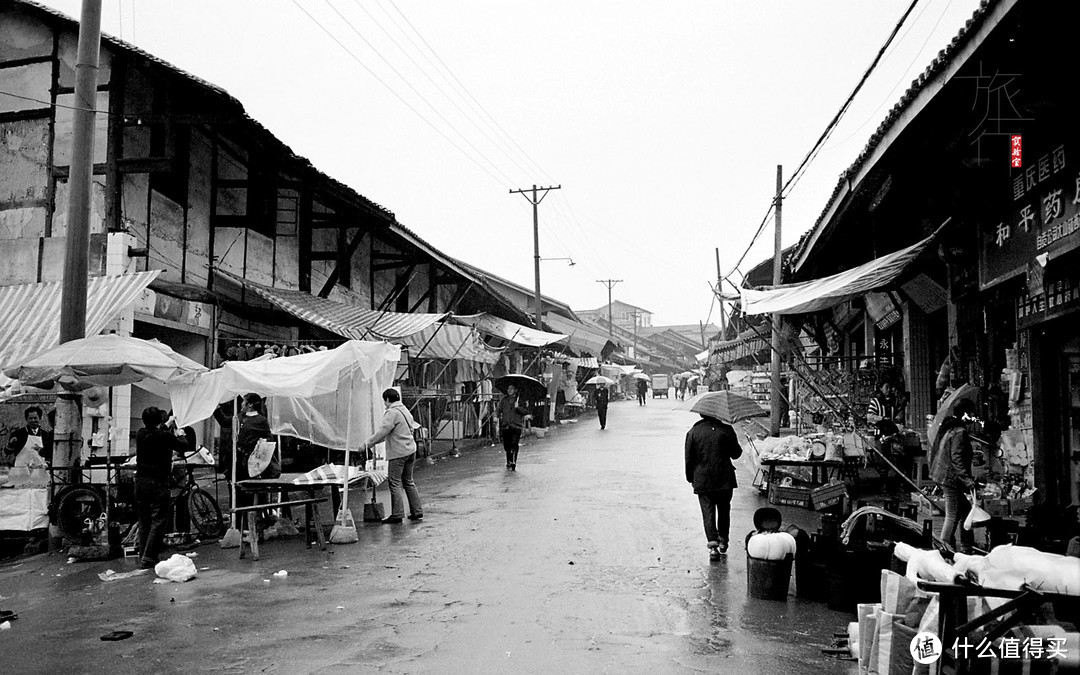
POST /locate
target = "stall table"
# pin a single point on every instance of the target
(299, 482)
(813, 464)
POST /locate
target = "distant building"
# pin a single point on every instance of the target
(622, 314)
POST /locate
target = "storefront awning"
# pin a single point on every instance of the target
(349, 321)
(508, 330)
(32, 314)
(449, 342)
(811, 296)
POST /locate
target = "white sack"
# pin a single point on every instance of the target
(178, 568)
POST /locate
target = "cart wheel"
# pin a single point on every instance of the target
(205, 514)
(74, 506)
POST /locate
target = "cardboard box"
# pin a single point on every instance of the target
(996, 507)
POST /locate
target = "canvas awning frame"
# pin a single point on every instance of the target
(811, 296)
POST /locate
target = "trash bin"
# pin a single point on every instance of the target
(768, 579)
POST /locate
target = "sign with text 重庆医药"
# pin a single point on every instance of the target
(1043, 217)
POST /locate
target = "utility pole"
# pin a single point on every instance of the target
(68, 431)
(536, 243)
(609, 283)
(774, 401)
(720, 296)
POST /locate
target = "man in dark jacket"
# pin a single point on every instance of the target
(602, 397)
(154, 448)
(710, 447)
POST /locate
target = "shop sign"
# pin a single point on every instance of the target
(162, 306)
(1059, 297)
(1044, 217)
(882, 310)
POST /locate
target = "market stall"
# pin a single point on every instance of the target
(332, 398)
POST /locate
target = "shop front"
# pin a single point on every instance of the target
(1030, 262)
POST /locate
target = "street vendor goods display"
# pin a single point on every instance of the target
(770, 545)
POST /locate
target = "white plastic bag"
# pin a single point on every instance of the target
(178, 568)
(976, 516)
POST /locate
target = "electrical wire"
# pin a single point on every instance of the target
(414, 89)
(395, 93)
(793, 179)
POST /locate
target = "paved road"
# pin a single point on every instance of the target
(589, 559)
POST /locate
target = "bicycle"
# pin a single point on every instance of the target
(75, 504)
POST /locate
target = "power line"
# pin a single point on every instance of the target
(413, 88)
(396, 95)
(829, 127)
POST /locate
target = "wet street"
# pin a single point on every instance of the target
(589, 559)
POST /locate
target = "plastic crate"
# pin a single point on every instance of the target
(789, 496)
(827, 495)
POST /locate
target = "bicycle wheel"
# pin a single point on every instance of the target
(205, 514)
(74, 506)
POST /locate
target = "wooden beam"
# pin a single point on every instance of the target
(402, 283)
(354, 245)
(303, 232)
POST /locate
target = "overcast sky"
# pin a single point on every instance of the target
(662, 121)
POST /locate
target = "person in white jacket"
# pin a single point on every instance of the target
(397, 430)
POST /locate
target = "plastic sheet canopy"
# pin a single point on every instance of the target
(331, 398)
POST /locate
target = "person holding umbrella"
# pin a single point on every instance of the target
(512, 418)
(951, 469)
(710, 446)
(602, 396)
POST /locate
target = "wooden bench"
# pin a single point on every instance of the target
(254, 524)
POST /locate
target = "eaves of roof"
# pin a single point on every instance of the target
(922, 90)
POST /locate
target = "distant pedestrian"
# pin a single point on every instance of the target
(512, 417)
(680, 392)
(642, 389)
(397, 430)
(710, 447)
(602, 396)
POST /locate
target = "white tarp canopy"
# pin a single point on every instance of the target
(508, 330)
(811, 296)
(332, 398)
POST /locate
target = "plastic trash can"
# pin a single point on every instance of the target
(768, 579)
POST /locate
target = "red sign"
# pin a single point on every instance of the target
(1014, 152)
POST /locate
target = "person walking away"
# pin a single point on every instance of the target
(512, 416)
(602, 396)
(951, 469)
(642, 389)
(397, 430)
(710, 447)
(154, 448)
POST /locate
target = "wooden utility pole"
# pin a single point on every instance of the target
(774, 401)
(635, 314)
(720, 295)
(609, 283)
(68, 431)
(536, 243)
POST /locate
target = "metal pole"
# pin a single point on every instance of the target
(68, 431)
(774, 402)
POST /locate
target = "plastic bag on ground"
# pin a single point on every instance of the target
(178, 568)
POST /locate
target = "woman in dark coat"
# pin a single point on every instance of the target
(710, 447)
(951, 469)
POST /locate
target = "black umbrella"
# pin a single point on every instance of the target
(530, 388)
